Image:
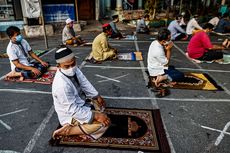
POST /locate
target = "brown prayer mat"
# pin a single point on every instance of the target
(132, 129)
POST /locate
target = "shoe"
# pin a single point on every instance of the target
(225, 43)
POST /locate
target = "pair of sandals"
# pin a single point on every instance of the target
(226, 43)
(160, 91)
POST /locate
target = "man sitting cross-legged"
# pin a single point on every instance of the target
(158, 60)
(69, 36)
(18, 51)
(115, 32)
(200, 47)
(70, 90)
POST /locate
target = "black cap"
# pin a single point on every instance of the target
(63, 54)
(115, 16)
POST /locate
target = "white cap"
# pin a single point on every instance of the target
(67, 21)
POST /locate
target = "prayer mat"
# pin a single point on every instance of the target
(40, 52)
(221, 34)
(226, 60)
(131, 129)
(46, 78)
(197, 81)
(132, 56)
(87, 44)
(129, 37)
(3, 55)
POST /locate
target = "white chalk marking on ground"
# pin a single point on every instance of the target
(38, 132)
(169, 99)
(114, 67)
(154, 102)
(24, 91)
(145, 68)
(222, 133)
(114, 78)
(82, 64)
(6, 126)
(14, 112)
(144, 41)
(221, 136)
(8, 151)
(223, 87)
(129, 98)
(109, 79)
(2, 77)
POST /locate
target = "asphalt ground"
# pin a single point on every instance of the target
(195, 120)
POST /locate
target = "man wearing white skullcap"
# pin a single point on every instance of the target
(77, 103)
(68, 35)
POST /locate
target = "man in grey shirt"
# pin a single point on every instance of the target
(115, 32)
(68, 35)
(177, 33)
(141, 25)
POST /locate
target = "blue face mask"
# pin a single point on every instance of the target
(19, 38)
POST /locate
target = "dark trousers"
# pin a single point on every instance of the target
(176, 75)
(211, 55)
(27, 74)
(116, 35)
(181, 36)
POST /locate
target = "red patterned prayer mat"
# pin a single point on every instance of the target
(46, 78)
(132, 129)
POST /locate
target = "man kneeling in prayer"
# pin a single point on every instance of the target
(159, 55)
(101, 50)
(77, 103)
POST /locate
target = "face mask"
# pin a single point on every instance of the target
(71, 25)
(166, 43)
(18, 38)
(70, 71)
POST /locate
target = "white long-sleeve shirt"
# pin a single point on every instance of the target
(214, 21)
(67, 102)
(67, 33)
(192, 24)
(175, 29)
(156, 59)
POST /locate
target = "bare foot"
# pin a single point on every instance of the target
(13, 74)
(228, 44)
(61, 131)
(159, 79)
(225, 43)
(219, 61)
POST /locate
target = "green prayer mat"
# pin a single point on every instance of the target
(37, 52)
(40, 52)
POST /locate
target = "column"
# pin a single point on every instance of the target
(172, 1)
(222, 2)
(108, 5)
(119, 5)
(140, 4)
(97, 9)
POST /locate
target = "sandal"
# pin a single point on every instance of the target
(225, 43)
(162, 93)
